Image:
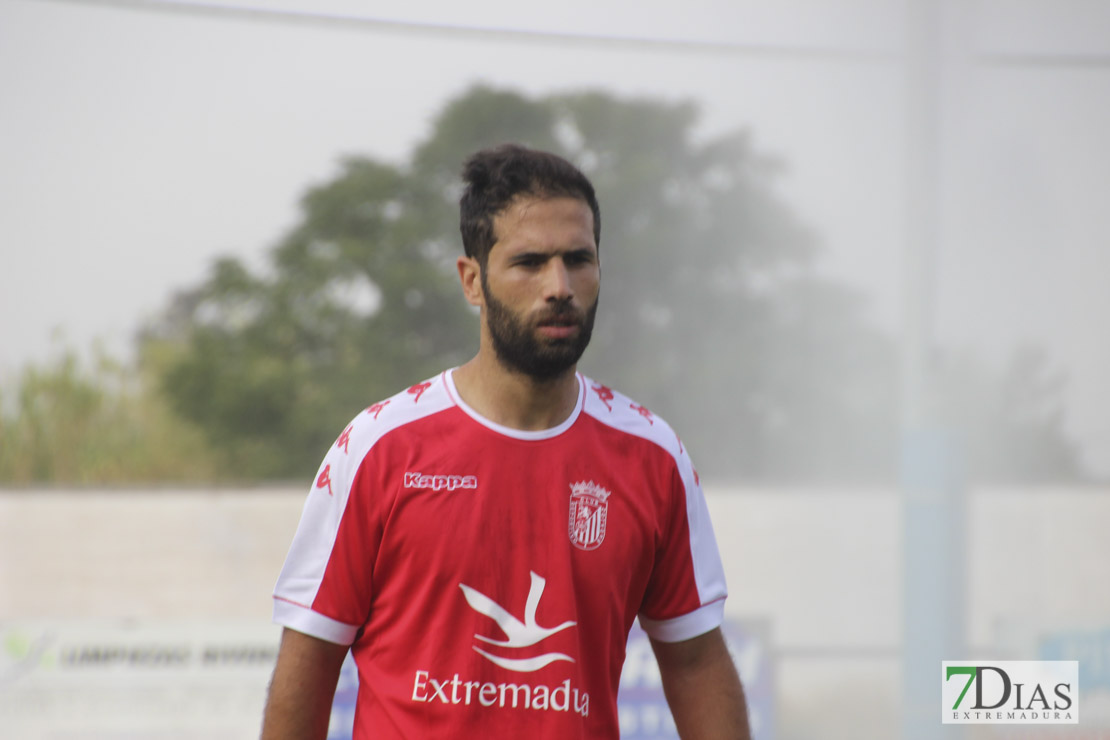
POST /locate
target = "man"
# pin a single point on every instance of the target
(484, 540)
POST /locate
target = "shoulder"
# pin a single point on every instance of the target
(613, 409)
(407, 407)
(419, 400)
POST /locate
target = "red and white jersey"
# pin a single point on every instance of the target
(486, 578)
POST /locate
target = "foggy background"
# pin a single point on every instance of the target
(953, 219)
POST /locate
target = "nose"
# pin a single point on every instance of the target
(557, 281)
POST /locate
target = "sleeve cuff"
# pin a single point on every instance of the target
(687, 626)
(302, 619)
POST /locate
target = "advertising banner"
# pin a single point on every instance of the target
(70, 680)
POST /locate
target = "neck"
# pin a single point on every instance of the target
(513, 399)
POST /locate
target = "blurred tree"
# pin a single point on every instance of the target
(358, 305)
(711, 312)
(72, 425)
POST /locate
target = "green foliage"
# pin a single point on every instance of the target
(360, 303)
(69, 425)
(710, 311)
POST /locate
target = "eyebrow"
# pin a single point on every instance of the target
(581, 252)
(572, 253)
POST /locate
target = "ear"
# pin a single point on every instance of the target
(470, 275)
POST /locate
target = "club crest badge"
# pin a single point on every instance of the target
(589, 510)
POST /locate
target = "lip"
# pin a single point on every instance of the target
(558, 331)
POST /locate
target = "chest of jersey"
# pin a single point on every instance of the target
(504, 560)
(463, 504)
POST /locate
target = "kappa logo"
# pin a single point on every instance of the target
(324, 479)
(605, 393)
(440, 482)
(521, 634)
(589, 513)
(418, 389)
(642, 411)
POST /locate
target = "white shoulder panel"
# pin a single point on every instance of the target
(312, 545)
(617, 410)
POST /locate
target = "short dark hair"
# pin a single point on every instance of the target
(495, 177)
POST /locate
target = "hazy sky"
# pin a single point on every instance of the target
(135, 146)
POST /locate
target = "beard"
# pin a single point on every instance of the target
(518, 347)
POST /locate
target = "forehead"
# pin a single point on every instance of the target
(531, 222)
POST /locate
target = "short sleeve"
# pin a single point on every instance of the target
(324, 586)
(686, 592)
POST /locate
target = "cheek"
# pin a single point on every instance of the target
(517, 294)
(588, 285)
(516, 291)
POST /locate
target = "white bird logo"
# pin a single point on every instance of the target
(520, 634)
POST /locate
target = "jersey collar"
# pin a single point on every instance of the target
(555, 431)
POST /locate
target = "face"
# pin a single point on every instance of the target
(540, 285)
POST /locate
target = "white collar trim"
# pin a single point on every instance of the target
(449, 383)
